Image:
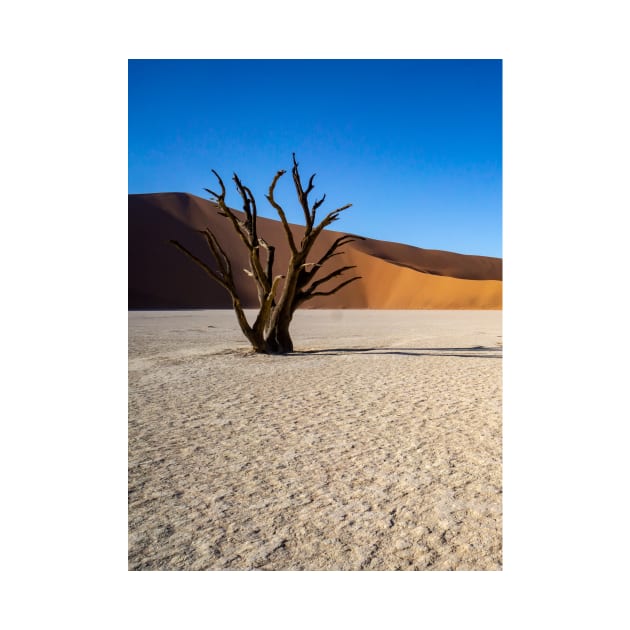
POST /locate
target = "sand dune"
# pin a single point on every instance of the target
(394, 276)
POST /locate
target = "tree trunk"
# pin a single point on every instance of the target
(284, 343)
(279, 338)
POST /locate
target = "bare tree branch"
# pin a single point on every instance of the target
(252, 201)
(331, 252)
(330, 276)
(337, 288)
(215, 276)
(217, 251)
(325, 222)
(217, 196)
(246, 230)
(239, 226)
(247, 208)
(280, 211)
(316, 205)
(271, 252)
(303, 194)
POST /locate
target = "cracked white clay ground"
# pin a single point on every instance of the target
(376, 446)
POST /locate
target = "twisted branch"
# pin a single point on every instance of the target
(303, 194)
(280, 211)
(223, 280)
(332, 251)
(308, 296)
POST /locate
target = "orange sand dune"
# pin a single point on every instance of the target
(394, 276)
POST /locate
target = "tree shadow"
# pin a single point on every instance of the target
(476, 352)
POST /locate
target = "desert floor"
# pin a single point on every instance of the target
(375, 446)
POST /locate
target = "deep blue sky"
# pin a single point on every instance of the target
(414, 145)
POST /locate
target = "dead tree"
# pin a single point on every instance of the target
(270, 331)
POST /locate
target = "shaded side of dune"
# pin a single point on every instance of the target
(434, 261)
(394, 276)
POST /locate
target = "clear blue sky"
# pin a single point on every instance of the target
(414, 145)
